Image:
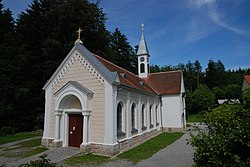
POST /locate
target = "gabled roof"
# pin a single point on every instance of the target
(109, 76)
(166, 82)
(156, 83)
(127, 78)
(247, 78)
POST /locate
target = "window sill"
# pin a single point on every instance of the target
(134, 131)
(121, 135)
(144, 128)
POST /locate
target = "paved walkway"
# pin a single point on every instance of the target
(55, 156)
(178, 154)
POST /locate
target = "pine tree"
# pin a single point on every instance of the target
(7, 67)
(46, 32)
(123, 54)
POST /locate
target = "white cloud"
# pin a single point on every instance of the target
(199, 29)
(201, 3)
(209, 8)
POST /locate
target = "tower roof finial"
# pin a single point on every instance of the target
(142, 27)
(79, 36)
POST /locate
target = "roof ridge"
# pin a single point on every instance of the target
(155, 73)
(117, 66)
(139, 79)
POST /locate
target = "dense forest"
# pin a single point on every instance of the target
(33, 46)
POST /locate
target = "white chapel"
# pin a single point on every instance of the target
(100, 107)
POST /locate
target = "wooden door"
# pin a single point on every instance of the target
(75, 130)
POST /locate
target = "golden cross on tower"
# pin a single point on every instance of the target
(79, 33)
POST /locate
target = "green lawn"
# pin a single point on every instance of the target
(150, 147)
(17, 136)
(194, 118)
(88, 159)
(31, 147)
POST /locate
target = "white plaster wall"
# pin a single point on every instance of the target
(171, 111)
(128, 97)
(110, 114)
(48, 97)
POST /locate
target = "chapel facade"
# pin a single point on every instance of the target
(100, 107)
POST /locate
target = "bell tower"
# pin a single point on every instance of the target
(143, 56)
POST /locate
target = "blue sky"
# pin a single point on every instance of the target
(180, 30)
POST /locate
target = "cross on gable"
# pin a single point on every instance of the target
(79, 33)
(79, 36)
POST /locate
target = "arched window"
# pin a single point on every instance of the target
(150, 116)
(156, 116)
(142, 66)
(119, 120)
(133, 119)
(143, 118)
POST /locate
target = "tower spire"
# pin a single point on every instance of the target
(143, 56)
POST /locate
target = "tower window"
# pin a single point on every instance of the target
(142, 66)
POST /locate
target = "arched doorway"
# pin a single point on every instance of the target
(73, 108)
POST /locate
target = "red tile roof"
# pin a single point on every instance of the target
(247, 78)
(157, 83)
(127, 78)
(166, 82)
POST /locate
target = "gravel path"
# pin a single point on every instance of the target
(178, 154)
(5, 159)
(55, 156)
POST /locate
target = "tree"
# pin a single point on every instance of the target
(202, 99)
(45, 33)
(8, 62)
(189, 76)
(154, 68)
(198, 70)
(227, 142)
(215, 74)
(123, 54)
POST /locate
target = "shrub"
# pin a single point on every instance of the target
(7, 131)
(227, 141)
(246, 98)
(42, 162)
(39, 121)
(202, 99)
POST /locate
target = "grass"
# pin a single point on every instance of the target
(17, 136)
(194, 118)
(26, 144)
(150, 147)
(35, 151)
(25, 149)
(136, 154)
(88, 159)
